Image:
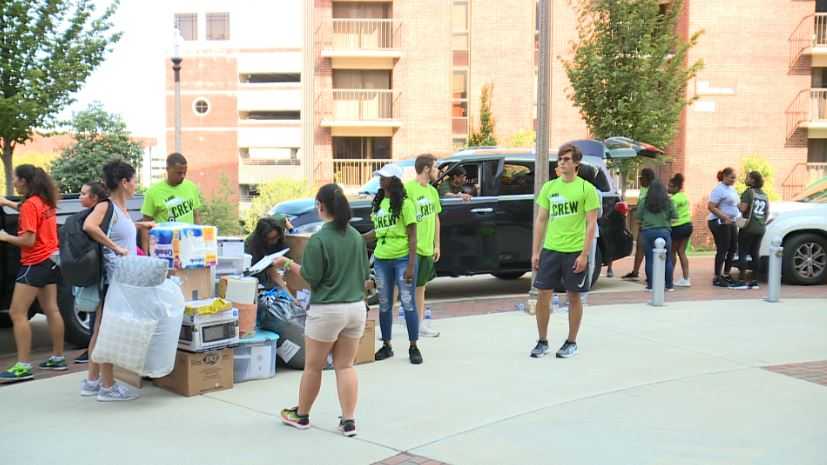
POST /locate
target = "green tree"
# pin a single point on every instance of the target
(629, 71)
(48, 48)
(99, 137)
(758, 163)
(271, 194)
(524, 138)
(485, 135)
(219, 210)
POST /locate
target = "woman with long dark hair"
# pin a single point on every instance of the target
(335, 264)
(38, 274)
(647, 175)
(121, 240)
(394, 228)
(681, 228)
(266, 239)
(723, 211)
(656, 213)
(755, 207)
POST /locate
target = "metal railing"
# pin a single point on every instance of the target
(355, 172)
(808, 105)
(361, 34)
(360, 104)
(801, 176)
(810, 32)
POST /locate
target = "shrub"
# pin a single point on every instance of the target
(220, 212)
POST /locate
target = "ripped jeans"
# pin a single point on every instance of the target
(389, 275)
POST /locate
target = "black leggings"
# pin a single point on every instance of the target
(726, 244)
(748, 244)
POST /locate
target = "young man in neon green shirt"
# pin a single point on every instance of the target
(567, 219)
(428, 208)
(175, 199)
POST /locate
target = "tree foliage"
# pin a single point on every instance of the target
(99, 137)
(273, 193)
(758, 163)
(629, 71)
(220, 212)
(48, 48)
(485, 135)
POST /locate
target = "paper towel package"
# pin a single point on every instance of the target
(185, 246)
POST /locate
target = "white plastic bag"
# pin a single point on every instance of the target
(140, 328)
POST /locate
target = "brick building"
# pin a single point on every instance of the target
(391, 79)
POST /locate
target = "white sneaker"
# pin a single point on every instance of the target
(89, 388)
(117, 393)
(683, 282)
(428, 332)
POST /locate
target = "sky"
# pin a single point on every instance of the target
(130, 81)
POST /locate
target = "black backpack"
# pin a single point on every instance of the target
(81, 257)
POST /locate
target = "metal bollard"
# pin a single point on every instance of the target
(658, 273)
(774, 272)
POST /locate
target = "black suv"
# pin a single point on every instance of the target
(492, 232)
(76, 323)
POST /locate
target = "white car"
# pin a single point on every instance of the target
(802, 227)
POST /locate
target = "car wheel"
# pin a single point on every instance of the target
(805, 259)
(77, 325)
(509, 276)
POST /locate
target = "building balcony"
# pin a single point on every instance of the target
(810, 38)
(801, 176)
(361, 43)
(272, 99)
(360, 112)
(354, 172)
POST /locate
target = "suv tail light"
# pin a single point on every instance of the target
(622, 208)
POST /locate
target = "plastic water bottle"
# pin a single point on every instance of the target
(428, 318)
(555, 303)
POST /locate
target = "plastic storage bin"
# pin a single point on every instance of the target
(255, 357)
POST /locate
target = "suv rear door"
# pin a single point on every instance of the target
(469, 228)
(515, 212)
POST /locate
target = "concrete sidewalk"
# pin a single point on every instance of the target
(682, 384)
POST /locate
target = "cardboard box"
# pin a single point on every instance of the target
(296, 243)
(128, 377)
(200, 373)
(196, 283)
(366, 351)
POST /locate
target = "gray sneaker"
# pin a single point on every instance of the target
(425, 331)
(568, 350)
(89, 388)
(540, 350)
(117, 393)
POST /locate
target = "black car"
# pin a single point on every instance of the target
(76, 323)
(492, 233)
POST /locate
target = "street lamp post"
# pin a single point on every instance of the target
(176, 69)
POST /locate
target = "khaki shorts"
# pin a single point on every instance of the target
(328, 322)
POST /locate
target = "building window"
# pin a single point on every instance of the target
(269, 78)
(187, 25)
(218, 26)
(362, 148)
(201, 106)
(272, 115)
(459, 143)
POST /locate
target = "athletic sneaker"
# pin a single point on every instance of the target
(729, 279)
(383, 353)
(720, 282)
(17, 372)
(428, 332)
(83, 358)
(540, 350)
(610, 274)
(89, 388)
(291, 417)
(117, 393)
(568, 350)
(683, 282)
(740, 285)
(347, 427)
(415, 355)
(54, 363)
(753, 285)
(631, 276)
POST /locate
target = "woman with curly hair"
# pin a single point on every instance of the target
(394, 229)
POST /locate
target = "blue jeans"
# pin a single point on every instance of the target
(649, 237)
(389, 275)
